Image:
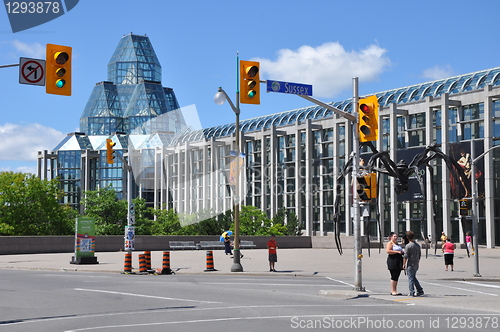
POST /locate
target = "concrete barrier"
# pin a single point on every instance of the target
(12, 245)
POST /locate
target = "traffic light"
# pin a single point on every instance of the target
(368, 119)
(249, 82)
(110, 153)
(465, 206)
(367, 186)
(58, 70)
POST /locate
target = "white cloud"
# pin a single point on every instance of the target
(22, 142)
(437, 72)
(329, 68)
(33, 50)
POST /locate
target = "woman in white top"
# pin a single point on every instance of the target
(394, 261)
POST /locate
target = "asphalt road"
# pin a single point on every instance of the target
(93, 301)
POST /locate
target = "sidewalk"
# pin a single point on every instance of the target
(295, 262)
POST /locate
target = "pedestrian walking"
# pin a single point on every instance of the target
(443, 237)
(468, 242)
(227, 245)
(394, 261)
(273, 257)
(411, 260)
(449, 253)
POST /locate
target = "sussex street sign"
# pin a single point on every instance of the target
(290, 88)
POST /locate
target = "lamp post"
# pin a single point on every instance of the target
(219, 99)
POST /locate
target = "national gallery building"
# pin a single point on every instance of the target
(292, 160)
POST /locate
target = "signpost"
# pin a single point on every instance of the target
(84, 241)
(290, 88)
(31, 71)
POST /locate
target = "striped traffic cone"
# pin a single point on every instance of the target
(143, 269)
(165, 266)
(210, 261)
(147, 255)
(127, 266)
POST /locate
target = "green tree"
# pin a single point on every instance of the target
(30, 206)
(287, 222)
(254, 221)
(109, 212)
(166, 223)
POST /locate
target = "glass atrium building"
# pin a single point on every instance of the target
(292, 159)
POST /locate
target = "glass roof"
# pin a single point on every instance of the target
(404, 95)
(133, 101)
(134, 60)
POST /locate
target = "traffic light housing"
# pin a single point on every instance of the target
(368, 119)
(367, 186)
(110, 153)
(58, 70)
(249, 82)
(465, 206)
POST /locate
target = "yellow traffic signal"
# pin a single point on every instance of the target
(249, 82)
(367, 186)
(368, 119)
(110, 153)
(58, 70)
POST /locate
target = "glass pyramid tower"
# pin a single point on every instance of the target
(132, 108)
(133, 94)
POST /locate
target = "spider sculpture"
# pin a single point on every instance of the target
(381, 163)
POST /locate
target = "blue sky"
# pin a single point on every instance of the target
(387, 44)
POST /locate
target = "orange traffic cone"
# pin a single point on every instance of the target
(165, 266)
(147, 255)
(210, 261)
(127, 266)
(143, 269)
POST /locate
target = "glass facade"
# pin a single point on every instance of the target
(292, 159)
(132, 101)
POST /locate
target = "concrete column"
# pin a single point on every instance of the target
(308, 179)
(488, 173)
(445, 177)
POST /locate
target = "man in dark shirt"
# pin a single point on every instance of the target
(411, 260)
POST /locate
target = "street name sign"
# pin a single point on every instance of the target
(31, 71)
(290, 88)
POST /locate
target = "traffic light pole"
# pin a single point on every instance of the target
(358, 285)
(236, 267)
(7, 66)
(128, 169)
(475, 213)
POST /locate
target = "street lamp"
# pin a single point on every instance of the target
(219, 98)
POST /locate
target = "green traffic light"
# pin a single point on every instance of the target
(251, 93)
(60, 83)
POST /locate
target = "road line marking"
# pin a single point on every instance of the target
(141, 295)
(253, 283)
(227, 319)
(478, 284)
(345, 283)
(409, 299)
(463, 289)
